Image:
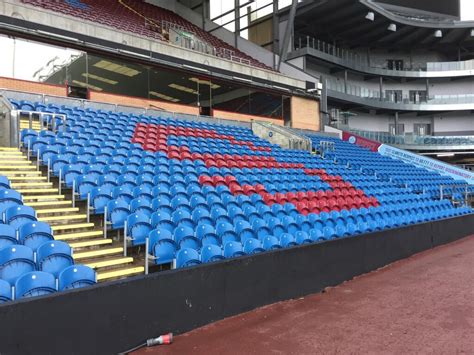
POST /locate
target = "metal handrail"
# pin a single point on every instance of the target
(464, 186)
(296, 141)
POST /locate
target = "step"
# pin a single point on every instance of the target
(66, 217)
(8, 149)
(31, 184)
(97, 252)
(62, 227)
(17, 157)
(58, 210)
(9, 173)
(37, 191)
(90, 243)
(17, 167)
(48, 204)
(43, 197)
(102, 276)
(78, 235)
(110, 262)
(27, 178)
(14, 162)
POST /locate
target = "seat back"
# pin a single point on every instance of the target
(5, 291)
(76, 276)
(34, 283)
(54, 257)
(15, 261)
(34, 234)
(187, 257)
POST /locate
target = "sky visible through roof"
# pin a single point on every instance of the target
(467, 10)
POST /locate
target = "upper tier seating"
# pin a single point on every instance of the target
(30, 258)
(120, 16)
(202, 192)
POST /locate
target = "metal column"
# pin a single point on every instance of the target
(288, 31)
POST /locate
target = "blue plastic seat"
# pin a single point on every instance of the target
(36, 283)
(138, 228)
(253, 246)
(225, 232)
(7, 235)
(76, 276)
(15, 261)
(211, 253)
(100, 197)
(118, 212)
(185, 237)
(302, 237)
(162, 246)
(141, 205)
(4, 183)
(5, 291)
(287, 240)
(34, 234)
(16, 216)
(187, 257)
(271, 243)
(54, 257)
(9, 198)
(207, 234)
(233, 250)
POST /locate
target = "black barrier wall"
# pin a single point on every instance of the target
(110, 318)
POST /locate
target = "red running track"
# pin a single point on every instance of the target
(420, 305)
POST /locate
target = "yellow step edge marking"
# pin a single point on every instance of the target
(111, 262)
(8, 149)
(43, 197)
(16, 173)
(90, 243)
(36, 191)
(58, 210)
(98, 252)
(18, 161)
(27, 178)
(47, 204)
(61, 227)
(62, 218)
(118, 273)
(25, 167)
(18, 158)
(71, 236)
(32, 184)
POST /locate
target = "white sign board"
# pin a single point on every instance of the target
(427, 163)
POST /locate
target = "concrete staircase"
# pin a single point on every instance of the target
(68, 223)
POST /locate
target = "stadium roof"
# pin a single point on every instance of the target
(347, 22)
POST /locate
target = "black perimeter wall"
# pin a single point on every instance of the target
(107, 319)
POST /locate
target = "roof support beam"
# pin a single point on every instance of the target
(288, 31)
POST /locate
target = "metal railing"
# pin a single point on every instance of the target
(295, 140)
(443, 192)
(355, 59)
(365, 93)
(412, 139)
(115, 108)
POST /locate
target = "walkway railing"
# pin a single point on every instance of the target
(361, 60)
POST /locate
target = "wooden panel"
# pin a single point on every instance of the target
(305, 114)
(244, 117)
